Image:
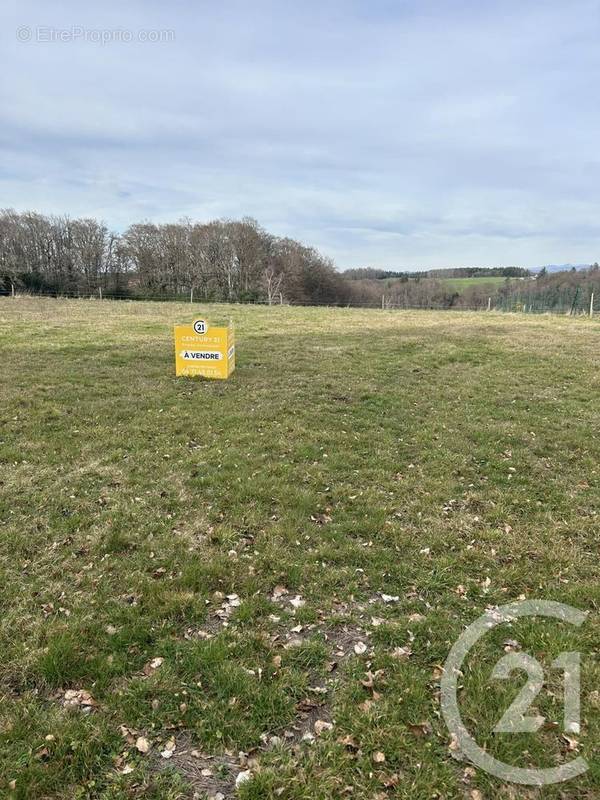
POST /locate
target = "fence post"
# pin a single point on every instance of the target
(592, 305)
(100, 292)
(574, 303)
(489, 308)
(382, 301)
(191, 294)
(12, 290)
(280, 298)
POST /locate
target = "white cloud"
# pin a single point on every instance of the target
(408, 133)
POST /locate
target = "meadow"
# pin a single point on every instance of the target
(460, 284)
(260, 579)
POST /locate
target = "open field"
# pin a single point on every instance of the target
(460, 284)
(207, 559)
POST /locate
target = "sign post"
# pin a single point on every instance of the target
(201, 349)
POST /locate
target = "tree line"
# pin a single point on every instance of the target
(374, 273)
(568, 291)
(229, 260)
(239, 261)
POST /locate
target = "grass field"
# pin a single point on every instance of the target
(192, 572)
(460, 284)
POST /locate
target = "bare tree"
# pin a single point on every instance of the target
(223, 259)
(272, 281)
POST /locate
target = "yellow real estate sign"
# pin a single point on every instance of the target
(203, 350)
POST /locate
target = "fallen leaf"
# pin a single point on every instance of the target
(321, 519)
(454, 747)
(369, 681)
(142, 744)
(402, 652)
(421, 729)
(321, 726)
(572, 744)
(79, 698)
(349, 742)
(242, 777)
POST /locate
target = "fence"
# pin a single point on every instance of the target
(573, 303)
(576, 300)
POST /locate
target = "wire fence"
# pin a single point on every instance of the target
(574, 302)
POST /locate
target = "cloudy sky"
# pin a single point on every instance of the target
(398, 133)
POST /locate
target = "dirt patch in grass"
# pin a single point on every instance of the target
(344, 638)
(309, 714)
(208, 776)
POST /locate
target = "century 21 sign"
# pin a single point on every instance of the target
(204, 350)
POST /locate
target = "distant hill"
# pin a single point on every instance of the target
(457, 273)
(559, 267)
(370, 273)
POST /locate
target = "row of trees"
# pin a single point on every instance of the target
(569, 291)
(219, 260)
(240, 261)
(373, 273)
(422, 293)
(56, 253)
(479, 272)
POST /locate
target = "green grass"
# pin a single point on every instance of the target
(460, 284)
(351, 453)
